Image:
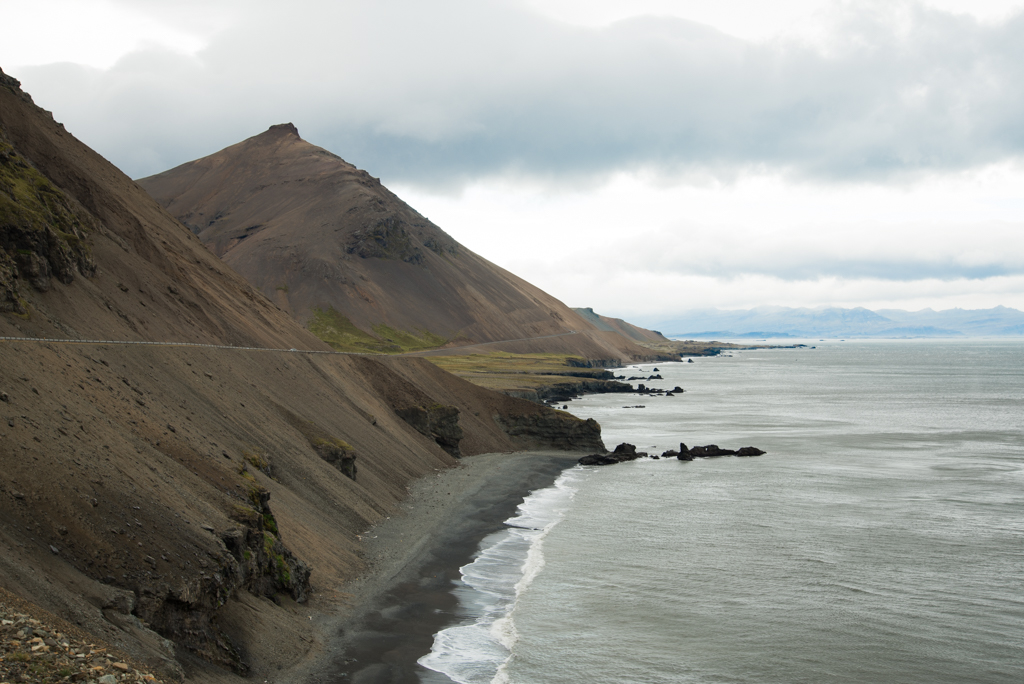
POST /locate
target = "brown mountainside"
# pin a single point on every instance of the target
(176, 490)
(624, 328)
(312, 232)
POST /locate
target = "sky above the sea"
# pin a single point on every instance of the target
(638, 156)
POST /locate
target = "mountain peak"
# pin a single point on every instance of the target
(284, 129)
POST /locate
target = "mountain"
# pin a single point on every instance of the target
(172, 491)
(354, 263)
(774, 321)
(617, 325)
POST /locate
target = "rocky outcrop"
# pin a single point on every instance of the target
(439, 422)
(387, 238)
(564, 391)
(714, 451)
(627, 452)
(553, 429)
(623, 452)
(710, 451)
(338, 453)
(42, 234)
(253, 558)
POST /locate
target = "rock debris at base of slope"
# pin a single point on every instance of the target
(33, 648)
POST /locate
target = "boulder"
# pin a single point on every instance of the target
(749, 451)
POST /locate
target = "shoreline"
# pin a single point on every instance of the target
(413, 559)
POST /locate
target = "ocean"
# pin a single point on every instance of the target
(880, 539)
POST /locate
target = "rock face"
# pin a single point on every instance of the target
(439, 422)
(339, 454)
(42, 234)
(254, 558)
(556, 429)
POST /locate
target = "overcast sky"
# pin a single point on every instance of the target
(638, 156)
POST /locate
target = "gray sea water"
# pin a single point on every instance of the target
(881, 539)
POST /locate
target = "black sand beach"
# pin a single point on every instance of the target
(405, 596)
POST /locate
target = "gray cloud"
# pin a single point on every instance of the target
(442, 92)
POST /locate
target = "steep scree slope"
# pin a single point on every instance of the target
(150, 493)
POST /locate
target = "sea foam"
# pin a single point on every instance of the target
(476, 650)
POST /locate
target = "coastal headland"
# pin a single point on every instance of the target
(193, 494)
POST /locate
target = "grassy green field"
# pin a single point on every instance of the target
(505, 371)
(338, 331)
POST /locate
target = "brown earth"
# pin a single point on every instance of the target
(311, 231)
(150, 493)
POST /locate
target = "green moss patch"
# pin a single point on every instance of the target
(341, 334)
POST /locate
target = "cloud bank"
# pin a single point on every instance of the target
(444, 92)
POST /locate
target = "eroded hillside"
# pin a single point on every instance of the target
(172, 499)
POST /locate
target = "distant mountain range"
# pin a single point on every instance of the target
(779, 321)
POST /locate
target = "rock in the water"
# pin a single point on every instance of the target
(677, 390)
(710, 451)
(624, 452)
(670, 453)
(749, 451)
(598, 460)
(689, 360)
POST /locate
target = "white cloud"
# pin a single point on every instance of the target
(632, 246)
(93, 33)
(797, 152)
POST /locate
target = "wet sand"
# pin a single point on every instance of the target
(405, 596)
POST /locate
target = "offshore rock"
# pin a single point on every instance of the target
(710, 451)
(749, 451)
(624, 452)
